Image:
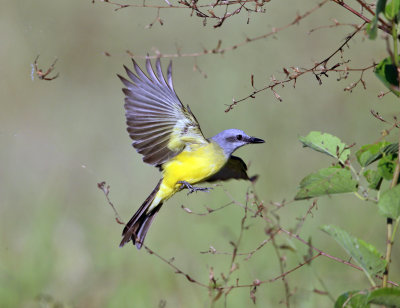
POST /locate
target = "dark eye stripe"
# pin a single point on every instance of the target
(231, 139)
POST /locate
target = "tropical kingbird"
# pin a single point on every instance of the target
(168, 135)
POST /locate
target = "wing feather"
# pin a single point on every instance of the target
(148, 88)
(169, 76)
(157, 122)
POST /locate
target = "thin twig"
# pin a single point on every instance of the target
(385, 27)
(365, 6)
(298, 72)
(106, 190)
(219, 50)
(282, 270)
(177, 269)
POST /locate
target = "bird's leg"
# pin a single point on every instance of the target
(193, 188)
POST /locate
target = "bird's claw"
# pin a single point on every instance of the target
(193, 189)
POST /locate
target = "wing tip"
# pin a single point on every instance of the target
(130, 74)
(160, 74)
(253, 179)
(169, 75)
(126, 82)
(133, 62)
(138, 70)
(127, 69)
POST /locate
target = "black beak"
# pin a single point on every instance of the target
(255, 140)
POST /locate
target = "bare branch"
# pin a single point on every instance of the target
(320, 68)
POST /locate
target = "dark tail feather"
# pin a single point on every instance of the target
(137, 227)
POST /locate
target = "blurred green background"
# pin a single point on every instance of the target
(60, 138)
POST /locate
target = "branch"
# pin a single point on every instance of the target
(219, 50)
(297, 73)
(384, 28)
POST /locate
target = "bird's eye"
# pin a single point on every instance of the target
(239, 137)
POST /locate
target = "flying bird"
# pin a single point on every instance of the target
(169, 137)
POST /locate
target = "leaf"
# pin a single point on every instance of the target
(386, 72)
(365, 254)
(380, 7)
(327, 144)
(389, 203)
(392, 148)
(374, 178)
(372, 27)
(370, 153)
(392, 9)
(388, 297)
(386, 166)
(326, 181)
(353, 299)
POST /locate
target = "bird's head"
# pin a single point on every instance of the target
(232, 139)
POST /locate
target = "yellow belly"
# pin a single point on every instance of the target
(193, 165)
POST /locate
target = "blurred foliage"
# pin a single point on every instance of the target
(59, 138)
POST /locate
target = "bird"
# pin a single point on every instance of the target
(169, 137)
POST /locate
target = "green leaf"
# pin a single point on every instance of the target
(327, 144)
(389, 203)
(388, 297)
(392, 9)
(369, 153)
(386, 72)
(326, 181)
(366, 255)
(374, 178)
(392, 148)
(353, 299)
(386, 166)
(380, 7)
(372, 27)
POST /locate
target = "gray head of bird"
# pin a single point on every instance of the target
(232, 139)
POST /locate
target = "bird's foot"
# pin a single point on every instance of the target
(193, 189)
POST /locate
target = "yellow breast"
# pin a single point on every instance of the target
(194, 164)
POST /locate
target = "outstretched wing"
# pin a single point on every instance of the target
(158, 123)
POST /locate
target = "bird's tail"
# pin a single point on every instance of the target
(137, 227)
